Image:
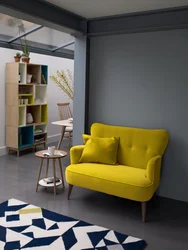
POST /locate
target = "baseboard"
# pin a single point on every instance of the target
(50, 139)
(3, 150)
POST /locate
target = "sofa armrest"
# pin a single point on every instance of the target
(151, 167)
(75, 153)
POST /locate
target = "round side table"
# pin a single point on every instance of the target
(57, 156)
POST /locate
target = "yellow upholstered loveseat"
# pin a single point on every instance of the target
(137, 173)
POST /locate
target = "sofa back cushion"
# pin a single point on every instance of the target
(136, 146)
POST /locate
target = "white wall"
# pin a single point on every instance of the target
(55, 95)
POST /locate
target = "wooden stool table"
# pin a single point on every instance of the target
(57, 156)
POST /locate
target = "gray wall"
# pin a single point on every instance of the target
(141, 80)
(79, 88)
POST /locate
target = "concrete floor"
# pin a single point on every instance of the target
(167, 228)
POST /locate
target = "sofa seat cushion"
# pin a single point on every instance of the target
(119, 180)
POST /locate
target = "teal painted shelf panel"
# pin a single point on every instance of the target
(44, 75)
(26, 145)
(25, 136)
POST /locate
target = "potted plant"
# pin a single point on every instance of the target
(26, 53)
(17, 57)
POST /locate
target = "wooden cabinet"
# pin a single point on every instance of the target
(23, 98)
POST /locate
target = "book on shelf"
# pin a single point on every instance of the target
(40, 139)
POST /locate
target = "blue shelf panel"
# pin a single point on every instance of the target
(25, 136)
(44, 74)
(26, 145)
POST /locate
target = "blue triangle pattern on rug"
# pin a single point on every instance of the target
(134, 245)
(55, 226)
(41, 242)
(102, 248)
(121, 237)
(55, 217)
(2, 234)
(18, 229)
(96, 237)
(40, 230)
(39, 223)
(69, 239)
(29, 234)
(109, 243)
(82, 224)
(14, 245)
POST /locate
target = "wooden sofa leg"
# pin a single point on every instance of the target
(69, 191)
(144, 206)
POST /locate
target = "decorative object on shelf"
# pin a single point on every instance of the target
(17, 57)
(29, 118)
(29, 77)
(43, 79)
(25, 101)
(64, 81)
(37, 131)
(34, 79)
(38, 101)
(26, 53)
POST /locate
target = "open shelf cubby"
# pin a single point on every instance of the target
(35, 111)
(25, 89)
(44, 113)
(40, 94)
(29, 97)
(40, 134)
(44, 74)
(25, 137)
(35, 71)
(22, 116)
(22, 72)
(40, 129)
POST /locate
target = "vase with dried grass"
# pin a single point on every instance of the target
(65, 81)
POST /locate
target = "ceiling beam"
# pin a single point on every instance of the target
(33, 29)
(166, 19)
(63, 46)
(45, 14)
(39, 50)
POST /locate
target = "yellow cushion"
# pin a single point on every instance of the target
(101, 150)
(119, 180)
(86, 138)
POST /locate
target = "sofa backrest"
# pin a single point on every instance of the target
(137, 146)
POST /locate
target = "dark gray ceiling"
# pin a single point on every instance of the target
(49, 15)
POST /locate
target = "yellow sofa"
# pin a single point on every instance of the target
(137, 173)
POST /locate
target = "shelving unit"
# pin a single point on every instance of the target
(23, 98)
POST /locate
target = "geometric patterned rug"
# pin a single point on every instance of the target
(24, 226)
